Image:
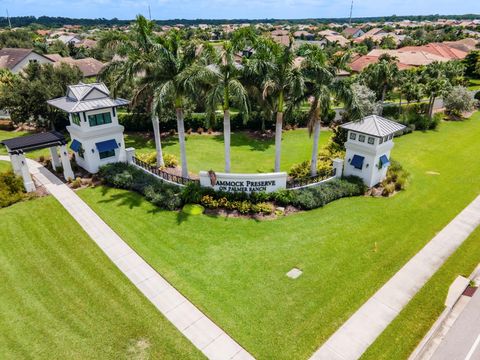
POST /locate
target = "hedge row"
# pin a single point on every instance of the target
(195, 121)
(171, 197)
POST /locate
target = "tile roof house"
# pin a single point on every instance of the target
(88, 66)
(438, 49)
(15, 59)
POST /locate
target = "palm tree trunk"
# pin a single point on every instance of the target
(181, 138)
(278, 140)
(158, 141)
(226, 138)
(384, 95)
(400, 104)
(430, 106)
(316, 137)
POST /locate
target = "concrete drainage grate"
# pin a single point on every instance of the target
(294, 273)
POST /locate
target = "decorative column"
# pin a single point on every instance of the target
(16, 164)
(55, 159)
(130, 153)
(338, 167)
(67, 168)
(27, 179)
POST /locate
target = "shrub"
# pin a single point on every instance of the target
(396, 180)
(170, 160)
(11, 189)
(77, 183)
(158, 192)
(150, 158)
(459, 100)
(263, 208)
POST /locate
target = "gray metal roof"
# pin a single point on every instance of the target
(374, 125)
(77, 100)
(80, 90)
(72, 106)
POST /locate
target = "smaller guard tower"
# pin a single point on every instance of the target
(368, 148)
(97, 137)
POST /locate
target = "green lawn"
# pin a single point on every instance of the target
(5, 166)
(474, 84)
(406, 331)
(234, 269)
(205, 152)
(62, 298)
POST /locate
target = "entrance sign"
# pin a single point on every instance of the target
(247, 183)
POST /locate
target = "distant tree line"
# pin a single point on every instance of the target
(49, 21)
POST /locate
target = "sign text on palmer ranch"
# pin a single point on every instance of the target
(244, 182)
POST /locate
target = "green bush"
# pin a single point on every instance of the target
(150, 158)
(158, 192)
(320, 195)
(11, 189)
(396, 180)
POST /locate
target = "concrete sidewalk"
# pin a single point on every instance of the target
(212, 341)
(351, 340)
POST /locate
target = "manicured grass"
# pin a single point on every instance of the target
(62, 298)
(234, 269)
(5, 166)
(205, 152)
(474, 84)
(403, 335)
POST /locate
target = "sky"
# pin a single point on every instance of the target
(234, 9)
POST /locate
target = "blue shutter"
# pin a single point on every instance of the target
(357, 162)
(106, 145)
(384, 160)
(75, 145)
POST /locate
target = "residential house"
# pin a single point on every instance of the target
(89, 67)
(353, 32)
(16, 59)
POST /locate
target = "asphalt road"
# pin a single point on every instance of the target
(462, 342)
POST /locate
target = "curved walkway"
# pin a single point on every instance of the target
(351, 340)
(209, 338)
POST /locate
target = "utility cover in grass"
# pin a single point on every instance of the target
(294, 273)
(193, 209)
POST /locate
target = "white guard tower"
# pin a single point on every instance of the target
(97, 137)
(368, 148)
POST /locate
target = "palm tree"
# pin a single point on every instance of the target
(282, 81)
(170, 90)
(224, 88)
(436, 83)
(138, 53)
(381, 76)
(321, 84)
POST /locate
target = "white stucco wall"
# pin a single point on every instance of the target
(88, 136)
(371, 172)
(30, 57)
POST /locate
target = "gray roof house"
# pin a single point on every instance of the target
(15, 59)
(86, 97)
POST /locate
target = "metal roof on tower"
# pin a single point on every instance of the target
(85, 97)
(374, 125)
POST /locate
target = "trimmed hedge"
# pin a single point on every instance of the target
(158, 192)
(171, 197)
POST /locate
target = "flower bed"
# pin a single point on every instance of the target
(171, 197)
